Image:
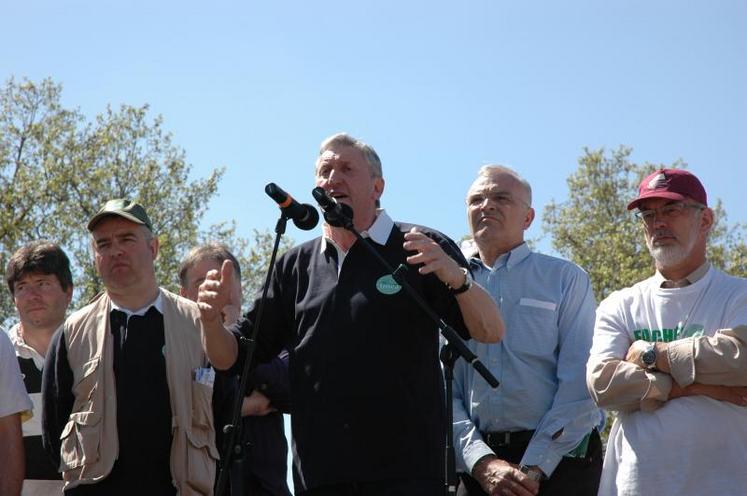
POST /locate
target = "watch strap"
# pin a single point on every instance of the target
(467, 283)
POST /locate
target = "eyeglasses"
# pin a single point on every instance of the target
(667, 212)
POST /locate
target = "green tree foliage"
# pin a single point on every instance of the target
(57, 169)
(594, 229)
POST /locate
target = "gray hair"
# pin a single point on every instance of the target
(491, 169)
(344, 139)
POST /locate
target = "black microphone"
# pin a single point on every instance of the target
(304, 216)
(336, 214)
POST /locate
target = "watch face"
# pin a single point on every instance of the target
(649, 357)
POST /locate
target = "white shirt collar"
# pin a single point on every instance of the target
(378, 232)
(381, 228)
(23, 350)
(157, 303)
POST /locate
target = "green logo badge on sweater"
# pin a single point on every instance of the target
(387, 285)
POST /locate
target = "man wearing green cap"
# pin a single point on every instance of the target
(127, 389)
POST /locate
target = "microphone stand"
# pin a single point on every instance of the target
(233, 449)
(339, 216)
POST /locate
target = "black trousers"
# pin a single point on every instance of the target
(405, 487)
(572, 476)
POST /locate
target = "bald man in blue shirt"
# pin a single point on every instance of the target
(535, 433)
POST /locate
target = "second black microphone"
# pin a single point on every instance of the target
(304, 216)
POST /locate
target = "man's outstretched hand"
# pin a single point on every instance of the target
(215, 293)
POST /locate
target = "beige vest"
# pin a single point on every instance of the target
(89, 440)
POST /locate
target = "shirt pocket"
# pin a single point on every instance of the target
(533, 329)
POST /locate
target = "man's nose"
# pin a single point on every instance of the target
(334, 177)
(659, 220)
(33, 292)
(487, 204)
(116, 250)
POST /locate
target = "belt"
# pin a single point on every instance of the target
(506, 439)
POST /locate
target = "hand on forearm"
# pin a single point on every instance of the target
(732, 394)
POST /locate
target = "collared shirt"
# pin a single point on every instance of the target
(548, 306)
(31, 378)
(158, 303)
(31, 362)
(23, 350)
(691, 278)
(378, 233)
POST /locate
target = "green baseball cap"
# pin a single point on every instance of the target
(123, 208)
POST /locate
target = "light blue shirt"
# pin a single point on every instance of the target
(548, 307)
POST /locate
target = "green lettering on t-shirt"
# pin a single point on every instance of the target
(668, 335)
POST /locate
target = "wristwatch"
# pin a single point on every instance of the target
(648, 357)
(467, 283)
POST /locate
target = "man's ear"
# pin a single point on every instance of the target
(69, 294)
(378, 187)
(155, 244)
(529, 218)
(706, 220)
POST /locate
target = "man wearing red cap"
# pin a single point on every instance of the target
(668, 355)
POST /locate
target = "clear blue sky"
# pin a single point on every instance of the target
(437, 87)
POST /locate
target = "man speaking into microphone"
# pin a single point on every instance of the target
(367, 392)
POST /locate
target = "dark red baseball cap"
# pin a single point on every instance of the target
(672, 184)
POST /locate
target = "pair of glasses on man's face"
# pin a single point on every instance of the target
(666, 212)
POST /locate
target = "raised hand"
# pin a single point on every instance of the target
(215, 293)
(433, 258)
